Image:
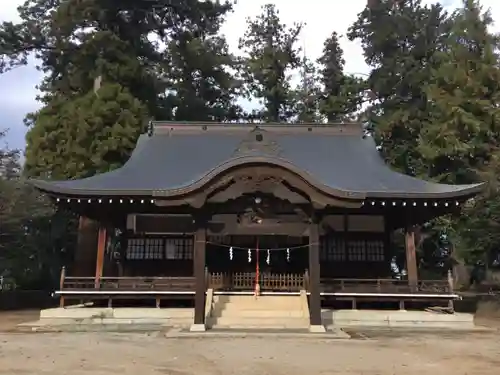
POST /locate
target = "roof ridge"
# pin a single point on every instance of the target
(167, 127)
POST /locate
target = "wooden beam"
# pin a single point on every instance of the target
(200, 238)
(411, 257)
(101, 247)
(314, 276)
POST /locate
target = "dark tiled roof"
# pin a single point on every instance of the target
(178, 158)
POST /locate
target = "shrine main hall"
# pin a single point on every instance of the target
(208, 213)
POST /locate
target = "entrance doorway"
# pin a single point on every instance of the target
(277, 263)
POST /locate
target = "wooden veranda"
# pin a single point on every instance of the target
(159, 288)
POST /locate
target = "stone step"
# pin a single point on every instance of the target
(258, 323)
(265, 302)
(268, 299)
(257, 306)
(268, 313)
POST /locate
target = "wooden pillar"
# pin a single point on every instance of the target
(85, 252)
(61, 286)
(411, 258)
(314, 279)
(200, 238)
(101, 247)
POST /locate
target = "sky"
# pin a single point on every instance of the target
(321, 17)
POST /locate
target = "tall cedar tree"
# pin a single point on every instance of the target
(400, 39)
(270, 55)
(200, 70)
(308, 93)
(461, 141)
(84, 135)
(342, 94)
(78, 43)
(115, 42)
(461, 144)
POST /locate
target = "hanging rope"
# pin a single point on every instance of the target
(287, 249)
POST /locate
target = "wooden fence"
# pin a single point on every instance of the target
(238, 281)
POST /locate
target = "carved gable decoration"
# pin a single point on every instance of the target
(258, 142)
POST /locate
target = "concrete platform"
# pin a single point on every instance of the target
(397, 319)
(173, 317)
(50, 326)
(130, 319)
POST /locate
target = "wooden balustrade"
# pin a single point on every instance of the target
(387, 286)
(240, 281)
(110, 284)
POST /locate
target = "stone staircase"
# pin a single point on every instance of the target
(263, 312)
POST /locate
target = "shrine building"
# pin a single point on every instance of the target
(203, 209)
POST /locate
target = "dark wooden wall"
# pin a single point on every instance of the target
(355, 255)
(342, 255)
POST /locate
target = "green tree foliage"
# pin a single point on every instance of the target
(200, 70)
(86, 135)
(78, 41)
(461, 142)
(116, 44)
(341, 95)
(270, 53)
(400, 40)
(436, 80)
(32, 235)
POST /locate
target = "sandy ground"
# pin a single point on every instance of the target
(368, 352)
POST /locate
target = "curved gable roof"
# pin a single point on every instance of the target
(179, 158)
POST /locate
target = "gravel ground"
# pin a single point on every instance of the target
(369, 352)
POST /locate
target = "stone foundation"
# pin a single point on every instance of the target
(175, 317)
(397, 319)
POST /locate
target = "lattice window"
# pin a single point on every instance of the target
(179, 248)
(136, 248)
(159, 248)
(357, 250)
(375, 250)
(366, 250)
(332, 249)
(153, 248)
